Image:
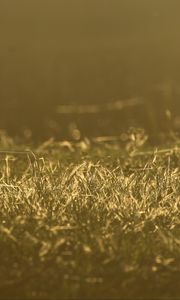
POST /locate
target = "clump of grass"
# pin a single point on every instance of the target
(101, 223)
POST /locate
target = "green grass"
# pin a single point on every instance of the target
(89, 222)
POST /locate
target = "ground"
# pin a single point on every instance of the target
(89, 221)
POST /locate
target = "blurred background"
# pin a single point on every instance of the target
(94, 66)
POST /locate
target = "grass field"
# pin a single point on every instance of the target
(89, 221)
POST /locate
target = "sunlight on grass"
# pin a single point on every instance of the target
(96, 223)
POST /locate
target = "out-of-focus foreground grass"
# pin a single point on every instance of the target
(89, 221)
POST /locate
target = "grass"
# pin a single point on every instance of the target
(89, 222)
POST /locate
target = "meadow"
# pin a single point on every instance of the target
(90, 219)
(89, 209)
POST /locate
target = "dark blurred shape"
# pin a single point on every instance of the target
(88, 53)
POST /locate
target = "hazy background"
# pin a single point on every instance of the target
(88, 51)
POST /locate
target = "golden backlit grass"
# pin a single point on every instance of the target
(90, 222)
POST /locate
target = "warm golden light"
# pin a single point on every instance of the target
(89, 149)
